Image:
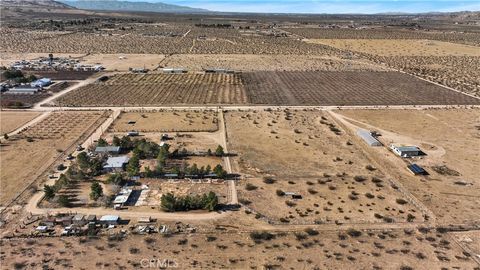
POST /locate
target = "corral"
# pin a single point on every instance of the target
(306, 153)
(29, 154)
(159, 89)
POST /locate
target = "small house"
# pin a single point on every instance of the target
(121, 198)
(41, 229)
(116, 164)
(64, 221)
(406, 151)
(109, 220)
(91, 219)
(115, 150)
(49, 221)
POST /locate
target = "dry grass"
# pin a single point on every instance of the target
(9, 121)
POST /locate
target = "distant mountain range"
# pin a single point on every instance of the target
(33, 3)
(114, 5)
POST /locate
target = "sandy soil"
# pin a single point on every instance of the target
(9, 121)
(166, 121)
(232, 249)
(305, 157)
(399, 47)
(51, 137)
(450, 138)
(122, 62)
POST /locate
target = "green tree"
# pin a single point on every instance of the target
(116, 141)
(211, 201)
(102, 142)
(219, 151)
(5, 136)
(133, 167)
(209, 152)
(219, 171)
(64, 201)
(49, 192)
(83, 161)
(168, 202)
(96, 191)
(116, 179)
(208, 169)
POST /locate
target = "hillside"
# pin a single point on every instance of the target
(33, 4)
(113, 5)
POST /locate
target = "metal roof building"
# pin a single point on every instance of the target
(116, 163)
(368, 138)
(406, 151)
(41, 82)
(25, 89)
(107, 149)
(109, 219)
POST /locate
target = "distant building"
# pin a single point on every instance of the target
(24, 89)
(174, 70)
(107, 149)
(219, 70)
(116, 164)
(79, 219)
(406, 151)
(41, 82)
(368, 138)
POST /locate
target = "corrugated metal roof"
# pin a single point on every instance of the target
(368, 138)
(116, 162)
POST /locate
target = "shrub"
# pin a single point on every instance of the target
(259, 236)
(312, 191)
(401, 201)
(290, 203)
(280, 192)
(250, 187)
(354, 233)
(311, 231)
(269, 180)
(369, 195)
(359, 178)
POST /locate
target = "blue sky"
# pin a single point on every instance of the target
(328, 6)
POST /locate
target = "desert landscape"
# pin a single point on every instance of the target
(193, 139)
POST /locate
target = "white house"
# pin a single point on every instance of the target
(406, 151)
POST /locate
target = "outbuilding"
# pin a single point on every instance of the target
(24, 89)
(110, 220)
(79, 219)
(107, 149)
(41, 82)
(406, 151)
(368, 137)
(174, 70)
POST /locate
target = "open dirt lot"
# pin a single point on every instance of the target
(399, 47)
(305, 153)
(26, 156)
(233, 249)
(166, 121)
(347, 88)
(159, 89)
(9, 121)
(122, 62)
(248, 62)
(450, 138)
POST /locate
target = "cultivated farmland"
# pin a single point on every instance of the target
(26, 156)
(347, 88)
(159, 89)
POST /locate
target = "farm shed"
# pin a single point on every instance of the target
(109, 220)
(417, 170)
(107, 149)
(116, 163)
(406, 151)
(368, 138)
(25, 89)
(91, 218)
